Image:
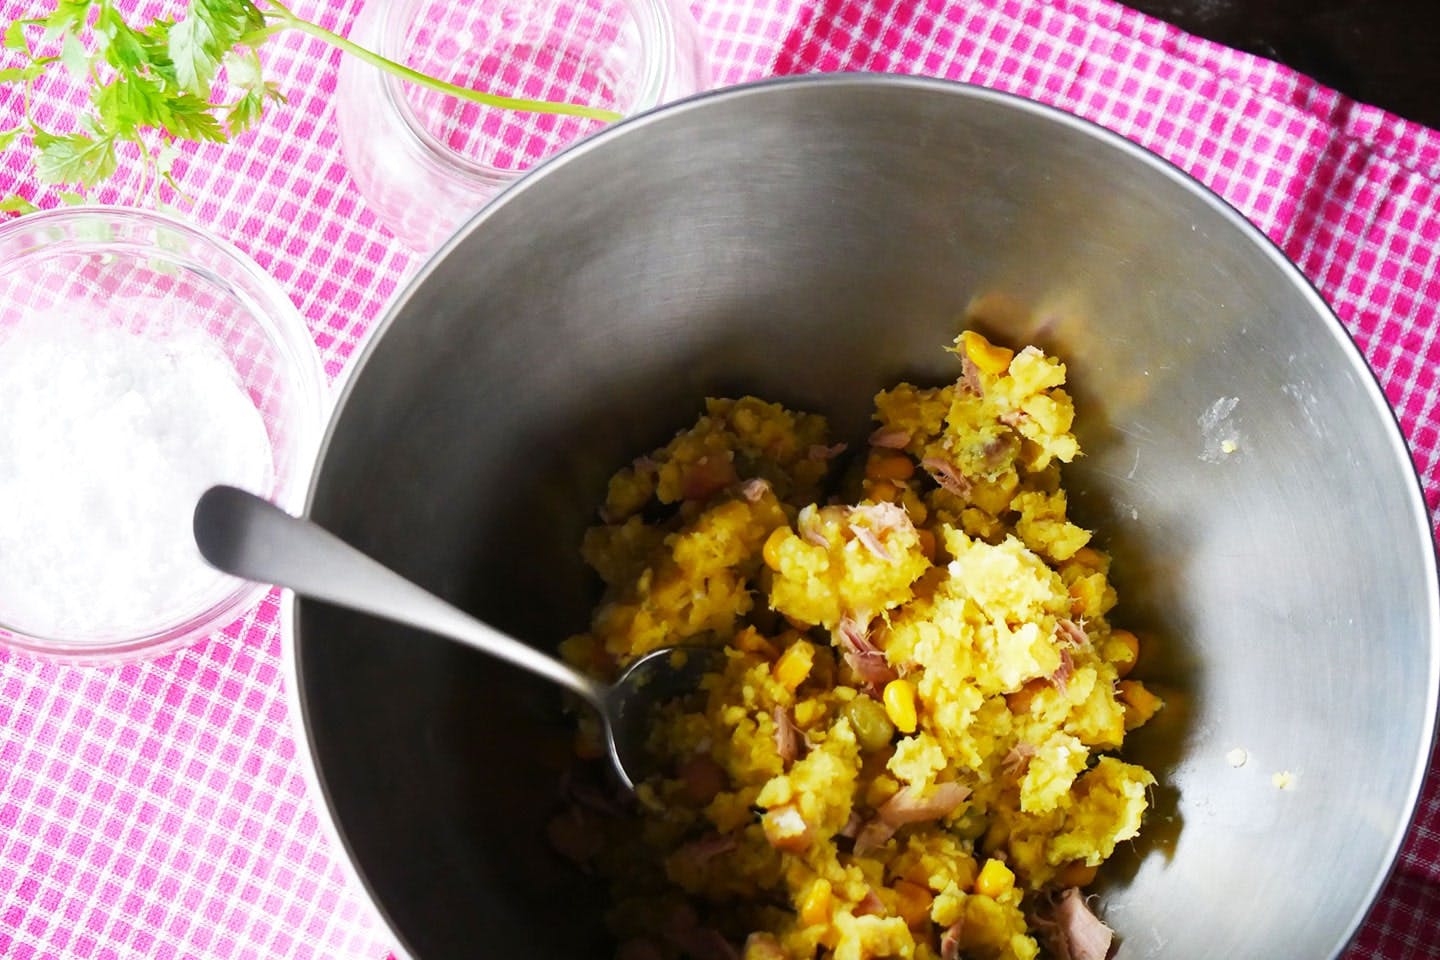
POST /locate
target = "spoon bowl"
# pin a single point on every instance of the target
(658, 677)
(249, 537)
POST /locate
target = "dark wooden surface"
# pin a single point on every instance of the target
(1383, 52)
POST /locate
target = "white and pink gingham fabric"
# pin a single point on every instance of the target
(158, 810)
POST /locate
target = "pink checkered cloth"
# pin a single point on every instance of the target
(158, 810)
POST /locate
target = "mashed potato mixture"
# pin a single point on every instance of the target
(911, 749)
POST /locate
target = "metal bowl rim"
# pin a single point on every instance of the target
(1387, 416)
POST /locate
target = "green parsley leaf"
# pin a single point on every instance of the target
(252, 19)
(190, 119)
(198, 42)
(75, 57)
(17, 204)
(76, 158)
(242, 68)
(123, 47)
(230, 19)
(244, 113)
(154, 80)
(70, 16)
(13, 74)
(15, 35)
(193, 50)
(126, 104)
(166, 156)
(224, 21)
(155, 41)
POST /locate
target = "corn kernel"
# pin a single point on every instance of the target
(773, 547)
(986, 355)
(995, 880)
(913, 903)
(815, 906)
(1123, 665)
(794, 664)
(899, 698)
(1140, 704)
(889, 465)
(1021, 701)
(883, 490)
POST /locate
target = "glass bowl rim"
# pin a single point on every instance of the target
(657, 54)
(270, 307)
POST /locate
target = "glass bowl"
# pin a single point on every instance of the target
(141, 361)
(425, 161)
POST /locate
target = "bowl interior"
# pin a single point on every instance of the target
(812, 241)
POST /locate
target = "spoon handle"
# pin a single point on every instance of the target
(241, 534)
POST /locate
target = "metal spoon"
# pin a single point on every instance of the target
(241, 534)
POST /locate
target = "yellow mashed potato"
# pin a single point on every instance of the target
(910, 750)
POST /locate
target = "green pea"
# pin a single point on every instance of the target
(872, 727)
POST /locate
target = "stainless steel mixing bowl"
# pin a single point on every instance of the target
(811, 240)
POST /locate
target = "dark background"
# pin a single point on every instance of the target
(1382, 52)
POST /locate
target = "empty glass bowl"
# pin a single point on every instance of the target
(141, 361)
(425, 161)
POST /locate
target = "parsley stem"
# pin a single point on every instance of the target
(149, 180)
(284, 20)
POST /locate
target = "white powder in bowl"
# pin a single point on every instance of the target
(110, 436)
